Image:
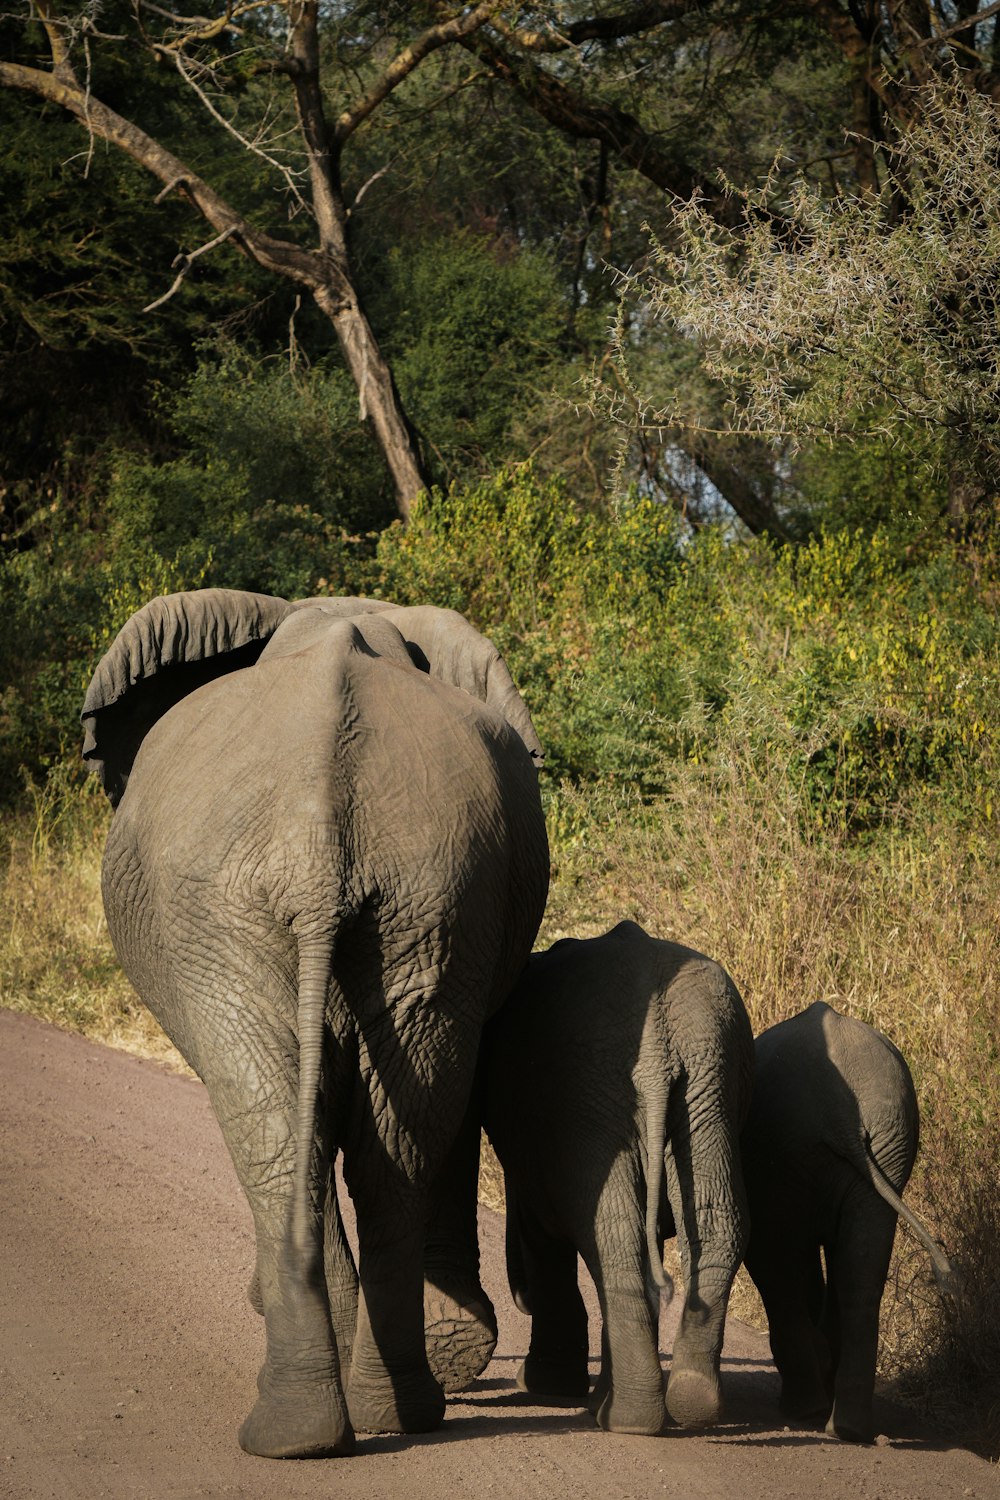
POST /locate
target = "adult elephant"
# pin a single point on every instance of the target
(326, 866)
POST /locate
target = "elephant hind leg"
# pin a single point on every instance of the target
(616, 1254)
(858, 1263)
(460, 1325)
(300, 1409)
(790, 1281)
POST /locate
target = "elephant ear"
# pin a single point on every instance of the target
(168, 648)
(443, 643)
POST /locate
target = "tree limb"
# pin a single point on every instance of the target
(411, 57)
(965, 21)
(185, 262)
(595, 28)
(303, 266)
(570, 112)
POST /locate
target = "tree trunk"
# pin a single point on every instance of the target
(377, 396)
(325, 274)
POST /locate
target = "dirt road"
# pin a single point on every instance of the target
(128, 1352)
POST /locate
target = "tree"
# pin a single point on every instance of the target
(222, 58)
(896, 49)
(851, 319)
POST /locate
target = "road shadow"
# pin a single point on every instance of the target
(494, 1405)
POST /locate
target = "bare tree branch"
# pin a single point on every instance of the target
(404, 63)
(287, 173)
(186, 262)
(965, 21)
(595, 28)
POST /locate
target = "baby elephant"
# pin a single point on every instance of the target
(827, 1150)
(616, 1060)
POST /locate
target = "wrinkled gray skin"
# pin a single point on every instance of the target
(829, 1145)
(326, 868)
(611, 1053)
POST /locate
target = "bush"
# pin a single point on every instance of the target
(571, 597)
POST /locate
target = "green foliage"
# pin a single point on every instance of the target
(476, 323)
(284, 435)
(259, 500)
(269, 484)
(570, 596)
(867, 669)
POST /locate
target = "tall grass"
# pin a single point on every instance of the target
(56, 958)
(902, 934)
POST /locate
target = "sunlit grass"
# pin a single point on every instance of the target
(56, 958)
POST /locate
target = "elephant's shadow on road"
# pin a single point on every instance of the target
(495, 1404)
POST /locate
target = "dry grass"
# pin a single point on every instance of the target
(56, 958)
(904, 935)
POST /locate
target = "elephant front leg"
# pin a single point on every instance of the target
(858, 1266)
(786, 1270)
(341, 1279)
(557, 1364)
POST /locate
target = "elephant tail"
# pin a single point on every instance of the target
(315, 967)
(945, 1274)
(656, 1135)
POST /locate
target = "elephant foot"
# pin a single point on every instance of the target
(381, 1404)
(856, 1431)
(693, 1398)
(641, 1415)
(299, 1422)
(805, 1405)
(555, 1379)
(460, 1333)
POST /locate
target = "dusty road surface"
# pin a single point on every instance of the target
(128, 1352)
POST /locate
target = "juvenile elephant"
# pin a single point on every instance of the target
(827, 1149)
(617, 1057)
(326, 868)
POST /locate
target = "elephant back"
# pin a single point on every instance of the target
(444, 643)
(178, 642)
